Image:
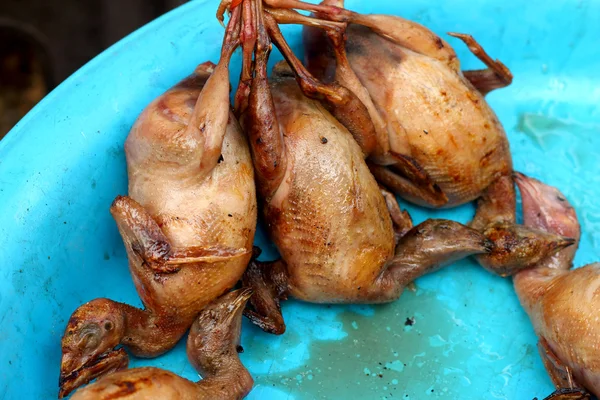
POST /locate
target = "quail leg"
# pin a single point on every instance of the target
(495, 76)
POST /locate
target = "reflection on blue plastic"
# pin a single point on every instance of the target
(461, 334)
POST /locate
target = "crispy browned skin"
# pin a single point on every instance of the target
(323, 208)
(432, 113)
(456, 137)
(563, 304)
(327, 215)
(439, 143)
(342, 103)
(326, 177)
(188, 224)
(211, 348)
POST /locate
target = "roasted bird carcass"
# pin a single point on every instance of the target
(188, 224)
(342, 240)
(424, 124)
(212, 348)
(562, 303)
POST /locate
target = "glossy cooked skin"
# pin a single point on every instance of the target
(416, 77)
(439, 143)
(563, 307)
(218, 210)
(141, 383)
(562, 304)
(328, 217)
(211, 349)
(188, 227)
(433, 114)
(323, 208)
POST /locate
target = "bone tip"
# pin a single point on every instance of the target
(525, 183)
(244, 294)
(517, 176)
(566, 242)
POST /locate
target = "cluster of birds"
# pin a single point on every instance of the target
(322, 147)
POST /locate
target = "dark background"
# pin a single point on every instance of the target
(42, 42)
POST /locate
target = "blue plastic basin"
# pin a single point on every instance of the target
(63, 164)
